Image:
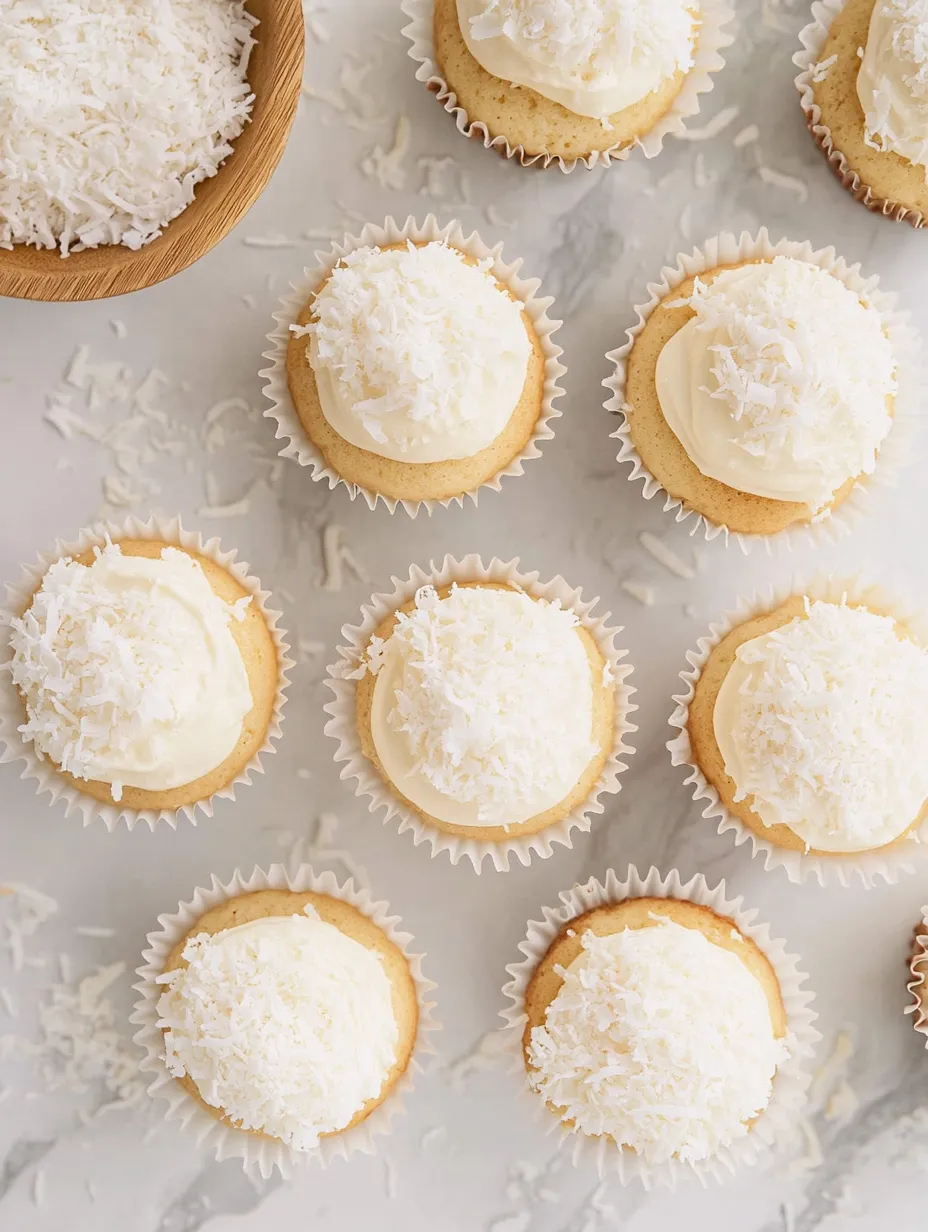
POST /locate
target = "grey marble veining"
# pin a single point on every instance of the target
(595, 239)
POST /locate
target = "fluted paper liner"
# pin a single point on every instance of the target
(19, 595)
(774, 1128)
(713, 39)
(813, 37)
(342, 725)
(264, 1154)
(918, 968)
(896, 449)
(290, 429)
(840, 868)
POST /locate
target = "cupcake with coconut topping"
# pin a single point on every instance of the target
(416, 367)
(758, 394)
(147, 674)
(287, 1015)
(587, 81)
(864, 90)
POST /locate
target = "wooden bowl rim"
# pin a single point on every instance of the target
(219, 202)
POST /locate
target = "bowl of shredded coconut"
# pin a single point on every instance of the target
(136, 135)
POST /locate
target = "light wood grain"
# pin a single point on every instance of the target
(275, 73)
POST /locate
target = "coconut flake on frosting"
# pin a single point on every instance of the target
(285, 1023)
(782, 383)
(596, 57)
(129, 671)
(419, 354)
(892, 84)
(490, 704)
(660, 1039)
(821, 726)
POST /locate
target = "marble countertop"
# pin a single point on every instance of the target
(469, 1155)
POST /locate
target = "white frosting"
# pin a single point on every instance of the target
(892, 83)
(595, 57)
(821, 726)
(129, 670)
(284, 1023)
(782, 384)
(483, 705)
(660, 1039)
(419, 355)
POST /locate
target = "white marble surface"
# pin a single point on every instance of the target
(595, 238)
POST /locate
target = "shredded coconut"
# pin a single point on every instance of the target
(494, 696)
(660, 1039)
(789, 183)
(825, 731)
(719, 122)
(666, 556)
(111, 114)
(893, 82)
(286, 1024)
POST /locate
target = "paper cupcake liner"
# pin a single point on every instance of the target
(918, 969)
(866, 867)
(342, 724)
(896, 449)
(258, 1153)
(774, 1128)
(276, 389)
(713, 38)
(19, 595)
(812, 37)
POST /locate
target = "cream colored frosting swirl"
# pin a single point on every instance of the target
(129, 670)
(782, 384)
(482, 711)
(892, 83)
(419, 355)
(594, 57)
(821, 726)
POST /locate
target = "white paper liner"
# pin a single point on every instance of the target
(774, 1128)
(918, 970)
(713, 38)
(276, 388)
(19, 595)
(342, 725)
(896, 449)
(257, 1153)
(812, 37)
(866, 867)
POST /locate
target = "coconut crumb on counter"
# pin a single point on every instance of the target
(336, 558)
(666, 556)
(640, 591)
(386, 166)
(719, 122)
(789, 183)
(745, 136)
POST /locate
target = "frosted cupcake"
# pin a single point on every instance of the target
(806, 720)
(918, 965)
(864, 89)
(417, 370)
(147, 674)
(759, 394)
(287, 1015)
(655, 1024)
(584, 82)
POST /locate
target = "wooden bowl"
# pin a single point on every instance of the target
(275, 73)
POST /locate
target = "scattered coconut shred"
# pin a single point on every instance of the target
(111, 114)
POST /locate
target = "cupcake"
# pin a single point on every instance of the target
(415, 367)
(481, 709)
(663, 1032)
(918, 958)
(146, 673)
(805, 719)
(585, 82)
(864, 93)
(758, 392)
(282, 1017)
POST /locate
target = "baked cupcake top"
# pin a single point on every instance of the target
(892, 84)
(419, 354)
(594, 57)
(659, 1038)
(781, 384)
(284, 1023)
(482, 712)
(129, 671)
(820, 724)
